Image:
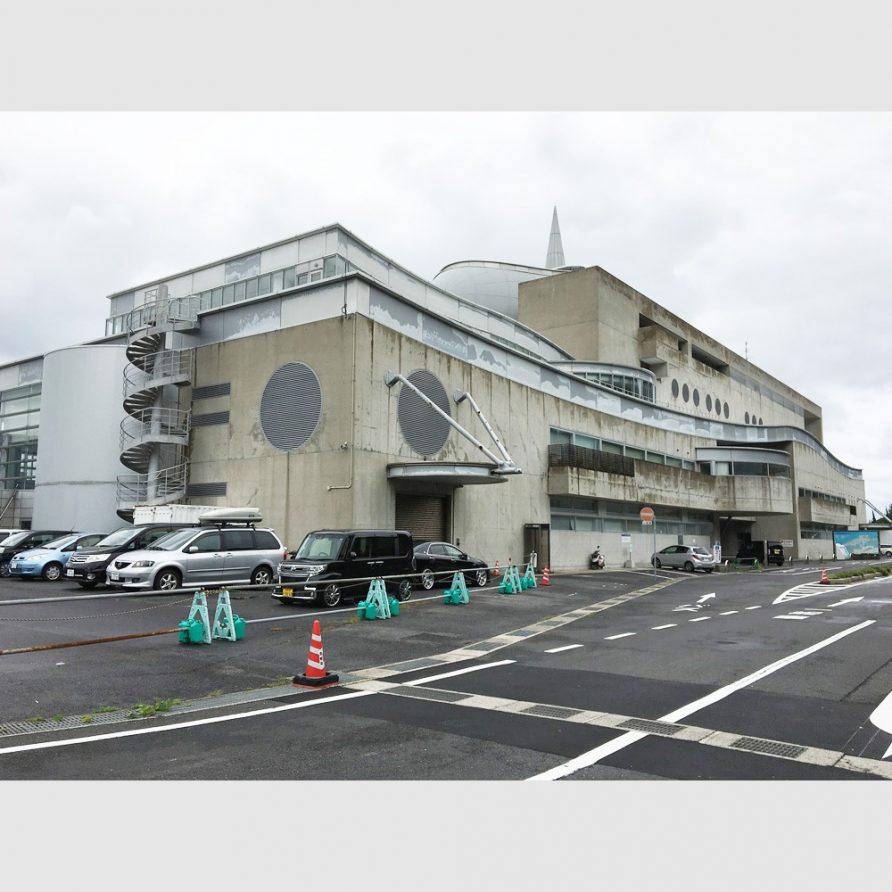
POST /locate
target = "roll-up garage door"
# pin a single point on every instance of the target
(424, 516)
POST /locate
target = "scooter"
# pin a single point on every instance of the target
(596, 562)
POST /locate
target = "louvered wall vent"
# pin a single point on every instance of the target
(291, 406)
(425, 431)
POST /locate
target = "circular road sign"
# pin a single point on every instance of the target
(646, 515)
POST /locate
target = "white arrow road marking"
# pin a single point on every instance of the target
(706, 598)
(882, 718)
(624, 740)
(847, 601)
(557, 650)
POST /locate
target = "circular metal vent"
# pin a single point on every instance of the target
(425, 431)
(291, 406)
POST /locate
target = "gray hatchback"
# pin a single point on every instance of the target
(684, 557)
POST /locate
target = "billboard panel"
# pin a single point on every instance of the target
(855, 543)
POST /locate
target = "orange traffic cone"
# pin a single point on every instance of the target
(545, 577)
(824, 579)
(315, 674)
(496, 572)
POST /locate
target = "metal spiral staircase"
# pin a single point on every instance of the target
(155, 433)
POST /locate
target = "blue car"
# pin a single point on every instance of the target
(48, 561)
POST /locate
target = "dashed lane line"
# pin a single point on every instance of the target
(699, 619)
(660, 628)
(557, 650)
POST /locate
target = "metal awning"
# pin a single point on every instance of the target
(453, 473)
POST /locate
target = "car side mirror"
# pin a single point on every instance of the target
(352, 554)
(192, 549)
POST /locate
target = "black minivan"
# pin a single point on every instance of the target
(88, 566)
(334, 564)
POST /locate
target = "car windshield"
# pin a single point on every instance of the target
(61, 543)
(15, 538)
(119, 537)
(320, 547)
(172, 541)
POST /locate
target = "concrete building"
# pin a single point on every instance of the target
(508, 408)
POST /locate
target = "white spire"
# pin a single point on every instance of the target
(555, 256)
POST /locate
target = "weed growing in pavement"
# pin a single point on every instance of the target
(86, 719)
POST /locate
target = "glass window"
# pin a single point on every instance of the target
(674, 462)
(723, 468)
(656, 457)
(696, 397)
(264, 284)
(634, 452)
(708, 403)
(750, 469)
(277, 280)
(685, 393)
(303, 278)
(217, 298)
(288, 277)
(613, 448)
(228, 294)
(240, 290)
(238, 540)
(587, 442)
(557, 437)
(674, 387)
(250, 289)
(207, 542)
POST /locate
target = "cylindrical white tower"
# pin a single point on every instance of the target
(79, 440)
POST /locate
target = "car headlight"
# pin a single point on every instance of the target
(136, 564)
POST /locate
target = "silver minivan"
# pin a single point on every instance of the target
(201, 556)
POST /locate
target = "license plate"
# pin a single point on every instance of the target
(288, 592)
(114, 576)
(69, 572)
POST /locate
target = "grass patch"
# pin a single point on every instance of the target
(871, 572)
(86, 719)
(147, 710)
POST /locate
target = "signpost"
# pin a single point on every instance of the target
(647, 519)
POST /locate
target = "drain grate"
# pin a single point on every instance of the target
(649, 727)
(429, 694)
(551, 712)
(768, 747)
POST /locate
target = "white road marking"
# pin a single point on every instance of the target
(754, 607)
(612, 746)
(882, 718)
(706, 598)
(667, 626)
(557, 650)
(74, 741)
(623, 635)
(699, 619)
(729, 612)
(790, 616)
(847, 601)
(457, 672)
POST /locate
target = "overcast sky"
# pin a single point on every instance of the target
(770, 231)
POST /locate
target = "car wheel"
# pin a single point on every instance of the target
(481, 577)
(4, 569)
(427, 579)
(404, 590)
(168, 580)
(52, 571)
(689, 567)
(331, 596)
(658, 563)
(87, 583)
(262, 576)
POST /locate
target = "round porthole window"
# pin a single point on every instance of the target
(708, 403)
(696, 397)
(685, 393)
(674, 388)
(291, 406)
(726, 411)
(746, 418)
(718, 406)
(760, 419)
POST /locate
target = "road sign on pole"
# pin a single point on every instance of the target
(647, 520)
